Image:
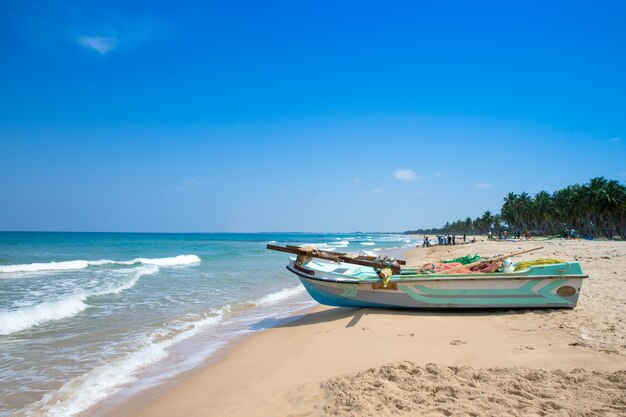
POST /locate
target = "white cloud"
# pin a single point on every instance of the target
(615, 140)
(117, 34)
(405, 174)
(483, 185)
(101, 44)
(373, 192)
(357, 179)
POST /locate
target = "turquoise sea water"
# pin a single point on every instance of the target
(88, 316)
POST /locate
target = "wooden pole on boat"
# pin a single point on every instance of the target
(336, 257)
(341, 254)
(499, 258)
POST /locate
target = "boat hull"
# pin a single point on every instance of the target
(530, 290)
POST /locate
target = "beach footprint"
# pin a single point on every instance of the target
(524, 347)
(457, 342)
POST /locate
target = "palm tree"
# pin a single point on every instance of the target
(497, 221)
(594, 208)
(508, 211)
(541, 211)
(467, 225)
(487, 220)
(610, 200)
(524, 209)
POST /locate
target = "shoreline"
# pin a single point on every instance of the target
(130, 399)
(281, 370)
(133, 397)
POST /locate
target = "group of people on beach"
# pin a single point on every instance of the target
(444, 240)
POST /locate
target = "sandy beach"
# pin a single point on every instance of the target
(173, 172)
(349, 362)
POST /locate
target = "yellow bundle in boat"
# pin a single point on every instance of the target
(385, 275)
(544, 261)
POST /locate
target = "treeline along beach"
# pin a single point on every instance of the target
(593, 209)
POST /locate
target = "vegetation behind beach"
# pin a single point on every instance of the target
(594, 209)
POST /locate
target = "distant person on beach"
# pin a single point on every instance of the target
(449, 240)
(464, 237)
(453, 239)
(572, 233)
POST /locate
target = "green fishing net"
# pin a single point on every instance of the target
(463, 259)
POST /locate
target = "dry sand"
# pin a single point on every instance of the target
(370, 362)
(407, 388)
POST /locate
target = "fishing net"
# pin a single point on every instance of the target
(439, 267)
(463, 260)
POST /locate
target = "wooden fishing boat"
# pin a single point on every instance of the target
(343, 280)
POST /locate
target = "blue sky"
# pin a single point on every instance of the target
(308, 116)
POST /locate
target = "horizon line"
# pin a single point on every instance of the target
(206, 233)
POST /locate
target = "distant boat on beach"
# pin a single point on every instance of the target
(364, 281)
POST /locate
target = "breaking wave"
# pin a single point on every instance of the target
(79, 264)
(80, 393)
(279, 295)
(24, 318)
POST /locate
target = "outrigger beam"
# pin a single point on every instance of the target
(363, 260)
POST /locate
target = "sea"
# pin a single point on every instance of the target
(91, 318)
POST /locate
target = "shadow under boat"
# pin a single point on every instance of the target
(332, 314)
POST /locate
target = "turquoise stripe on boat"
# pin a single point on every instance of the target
(525, 289)
(546, 296)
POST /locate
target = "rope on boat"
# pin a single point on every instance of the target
(544, 261)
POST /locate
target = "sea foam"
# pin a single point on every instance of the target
(80, 264)
(13, 321)
(80, 393)
(279, 295)
(49, 266)
(24, 318)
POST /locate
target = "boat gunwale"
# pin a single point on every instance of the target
(436, 277)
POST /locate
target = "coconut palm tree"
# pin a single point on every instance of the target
(596, 208)
(508, 211)
(542, 211)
